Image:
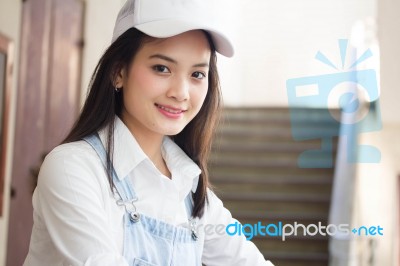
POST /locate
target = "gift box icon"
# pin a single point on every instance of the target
(356, 94)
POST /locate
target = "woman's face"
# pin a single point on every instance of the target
(166, 84)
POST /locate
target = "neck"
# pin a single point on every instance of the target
(152, 148)
(151, 145)
(150, 142)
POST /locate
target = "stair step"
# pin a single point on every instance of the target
(221, 179)
(296, 258)
(255, 157)
(279, 208)
(225, 145)
(268, 187)
(229, 170)
(269, 162)
(246, 196)
(262, 157)
(262, 133)
(312, 244)
(282, 120)
(266, 217)
(277, 203)
(278, 114)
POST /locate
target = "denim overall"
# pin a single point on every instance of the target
(148, 241)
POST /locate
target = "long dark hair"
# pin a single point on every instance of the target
(103, 103)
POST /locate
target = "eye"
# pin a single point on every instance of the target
(161, 69)
(198, 75)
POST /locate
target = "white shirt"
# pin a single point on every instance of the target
(77, 220)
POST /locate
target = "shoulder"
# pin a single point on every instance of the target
(75, 148)
(71, 165)
(80, 153)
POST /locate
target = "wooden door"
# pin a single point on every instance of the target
(47, 102)
(6, 76)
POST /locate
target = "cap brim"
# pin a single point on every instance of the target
(169, 28)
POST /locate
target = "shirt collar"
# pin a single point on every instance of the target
(127, 152)
(180, 164)
(128, 155)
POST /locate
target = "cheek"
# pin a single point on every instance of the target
(199, 97)
(142, 81)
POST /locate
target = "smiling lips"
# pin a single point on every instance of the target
(169, 111)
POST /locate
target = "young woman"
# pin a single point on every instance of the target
(129, 185)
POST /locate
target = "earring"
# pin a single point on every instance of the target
(117, 89)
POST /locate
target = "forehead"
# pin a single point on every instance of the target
(189, 45)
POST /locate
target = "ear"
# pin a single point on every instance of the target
(119, 78)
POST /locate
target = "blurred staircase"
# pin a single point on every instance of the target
(254, 171)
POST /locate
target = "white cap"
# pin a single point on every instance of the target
(167, 18)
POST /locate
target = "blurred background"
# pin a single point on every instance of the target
(290, 148)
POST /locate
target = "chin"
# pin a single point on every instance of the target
(172, 131)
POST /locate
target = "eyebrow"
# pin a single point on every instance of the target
(169, 59)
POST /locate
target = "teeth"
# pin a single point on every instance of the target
(169, 110)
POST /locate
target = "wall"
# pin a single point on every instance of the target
(389, 40)
(278, 40)
(10, 19)
(99, 24)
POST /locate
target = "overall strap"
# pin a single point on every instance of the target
(191, 220)
(124, 186)
(189, 204)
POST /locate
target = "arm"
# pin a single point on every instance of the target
(222, 249)
(71, 199)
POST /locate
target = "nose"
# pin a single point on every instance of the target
(179, 89)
